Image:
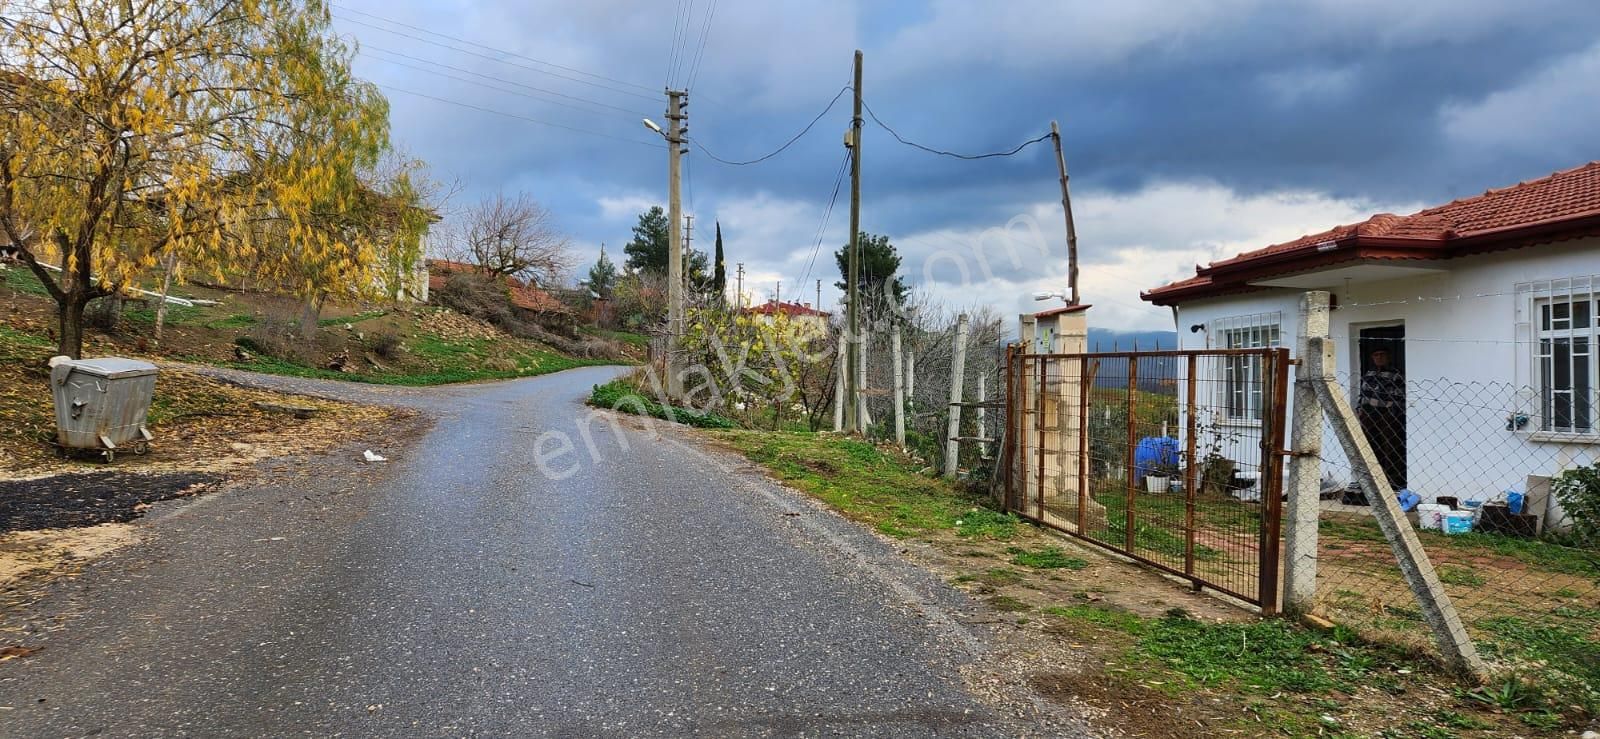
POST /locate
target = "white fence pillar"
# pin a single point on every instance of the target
(1305, 466)
(952, 444)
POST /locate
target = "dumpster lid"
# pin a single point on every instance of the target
(112, 367)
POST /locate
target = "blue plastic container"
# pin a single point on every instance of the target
(1458, 522)
(1514, 501)
(1153, 452)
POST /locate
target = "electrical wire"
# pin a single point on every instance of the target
(678, 23)
(365, 48)
(941, 152)
(574, 129)
(574, 70)
(838, 180)
(705, 32)
(491, 58)
(780, 149)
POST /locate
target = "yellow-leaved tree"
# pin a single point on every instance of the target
(220, 134)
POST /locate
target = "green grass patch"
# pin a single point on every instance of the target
(22, 280)
(618, 395)
(235, 321)
(1046, 558)
(177, 315)
(443, 362)
(1008, 604)
(1457, 575)
(1544, 555)
(352, 320)
(1564, 649)
(879, 487)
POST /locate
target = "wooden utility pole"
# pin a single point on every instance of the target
(1066, 207)
(854, 370)
(675, 137)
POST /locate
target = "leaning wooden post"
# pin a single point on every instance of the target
(1305, 464)
(899, 389)
(1454, 642)
(952, 445)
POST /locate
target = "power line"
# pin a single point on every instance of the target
(365, 48)
(826, 214)
(680, 35)
(705, 32)
(492, 59)
(574, 129)
(941, 152)
(786, 144)
(491, 48)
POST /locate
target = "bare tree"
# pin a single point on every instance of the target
(515, 237)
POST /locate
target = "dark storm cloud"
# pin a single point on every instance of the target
(1365, 103)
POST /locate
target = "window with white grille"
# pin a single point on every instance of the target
(1567, 330)
(1244, 377)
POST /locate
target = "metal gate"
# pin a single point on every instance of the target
(1172, 458)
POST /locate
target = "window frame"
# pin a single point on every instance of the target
(1243, 377)
(1550, 332)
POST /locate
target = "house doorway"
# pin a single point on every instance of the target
(1380, 390)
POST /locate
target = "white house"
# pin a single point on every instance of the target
(1487, 304)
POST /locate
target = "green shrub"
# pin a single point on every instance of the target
(1578, 490)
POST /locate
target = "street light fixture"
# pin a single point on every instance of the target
(652, 126)
(1047, 296)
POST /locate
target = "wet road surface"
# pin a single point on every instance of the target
(522, 569)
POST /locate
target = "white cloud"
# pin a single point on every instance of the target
(626, 208)
(1127, 243)
(1550, 114)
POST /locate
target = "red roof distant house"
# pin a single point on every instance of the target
(523, 295)
(1562, 206)
(773, 307)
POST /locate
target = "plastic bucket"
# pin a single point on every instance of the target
(1431, 515)
(1458, 522)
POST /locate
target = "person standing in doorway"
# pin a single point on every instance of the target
(1382, 412)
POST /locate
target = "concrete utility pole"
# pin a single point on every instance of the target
(1066, 206)
(675, 138)
(853, 372)
(738, 295)
(899, 389)
(777, 293)
(819, 296)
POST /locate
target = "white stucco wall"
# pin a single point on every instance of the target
(1462, 340)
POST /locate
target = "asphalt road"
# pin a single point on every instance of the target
(632, 586)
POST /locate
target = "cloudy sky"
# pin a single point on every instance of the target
(1193, 130)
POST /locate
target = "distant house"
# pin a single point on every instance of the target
(1489, 306)
(802, 312)
(528, 300)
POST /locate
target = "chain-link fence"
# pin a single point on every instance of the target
(1499, 483)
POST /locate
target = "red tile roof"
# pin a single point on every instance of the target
(523, 295)
(1561, 206)
(789, 309)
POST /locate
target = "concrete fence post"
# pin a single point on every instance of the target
(839, 391)
(958, 376)
(1437, 609)
(899, 389)
(1305, 466)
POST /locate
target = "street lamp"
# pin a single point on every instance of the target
(652, 126)
(1047, 296)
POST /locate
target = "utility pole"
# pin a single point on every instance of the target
(738, 295)
(1066, 206)
(777, 294)
(675, 138)
(852, 311)
(819, 296)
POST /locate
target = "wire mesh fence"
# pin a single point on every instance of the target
(1498, 502)
(1166, 457)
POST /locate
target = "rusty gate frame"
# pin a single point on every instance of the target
(1276, 364)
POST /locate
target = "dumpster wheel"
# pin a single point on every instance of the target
(141, 447)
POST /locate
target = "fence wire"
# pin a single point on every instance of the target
(1477, 466)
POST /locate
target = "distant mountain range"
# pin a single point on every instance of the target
(1106, 340)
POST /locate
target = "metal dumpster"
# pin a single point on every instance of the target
(101, 403)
